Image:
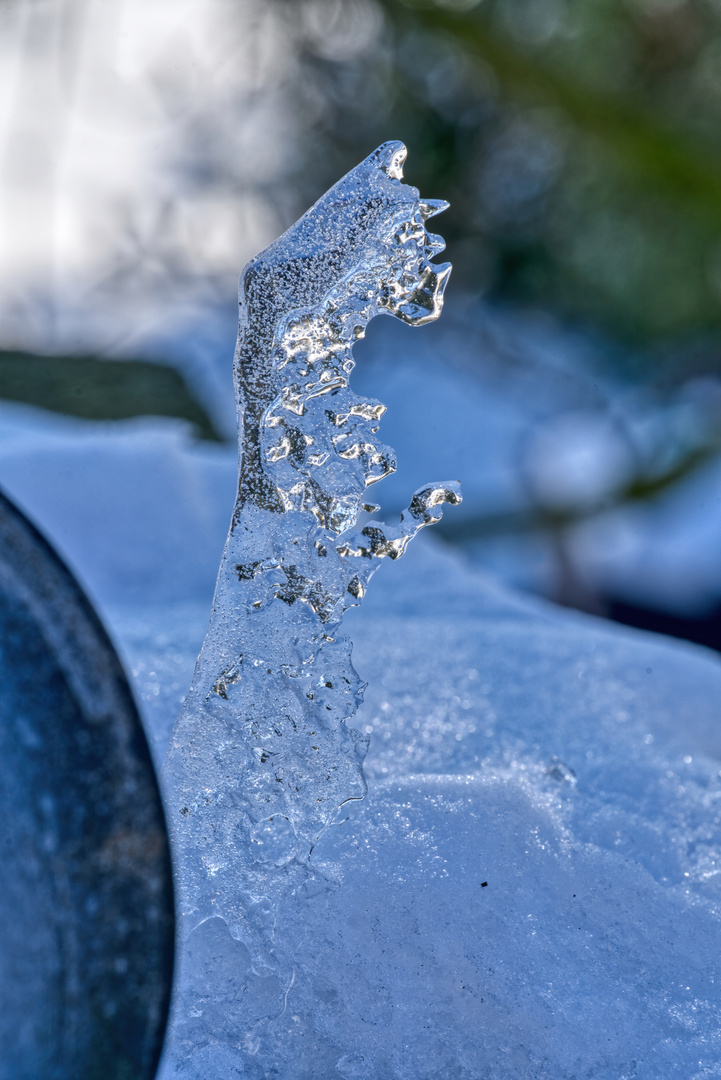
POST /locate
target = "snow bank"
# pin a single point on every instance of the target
(570, 765)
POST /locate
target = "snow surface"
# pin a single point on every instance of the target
(569, 764)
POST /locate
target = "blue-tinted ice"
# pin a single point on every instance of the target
(262, 756)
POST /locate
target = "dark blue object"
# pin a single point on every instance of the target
(86, 903)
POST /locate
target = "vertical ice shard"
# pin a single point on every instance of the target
(261, 756)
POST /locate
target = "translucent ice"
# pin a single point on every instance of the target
(261, 757)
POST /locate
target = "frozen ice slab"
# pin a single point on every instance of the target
(619, 980)
(523, 746)
(573, 768)
(571, 960)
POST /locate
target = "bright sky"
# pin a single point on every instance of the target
(136, 142)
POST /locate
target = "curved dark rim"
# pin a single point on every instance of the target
(53, 581)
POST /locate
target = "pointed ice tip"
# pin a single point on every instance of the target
(390, 157)
(431, 207)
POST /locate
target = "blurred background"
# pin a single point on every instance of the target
(149, 148)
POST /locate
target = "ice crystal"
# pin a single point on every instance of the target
(262, 756)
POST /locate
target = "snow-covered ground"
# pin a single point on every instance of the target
(571, 766)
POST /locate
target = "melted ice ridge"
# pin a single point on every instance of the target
(262, 756)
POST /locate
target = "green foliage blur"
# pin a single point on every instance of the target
(93, 388)
(577, 140)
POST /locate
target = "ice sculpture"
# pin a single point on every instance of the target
(262, 756)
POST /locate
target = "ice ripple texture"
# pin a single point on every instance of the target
(262, 757)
